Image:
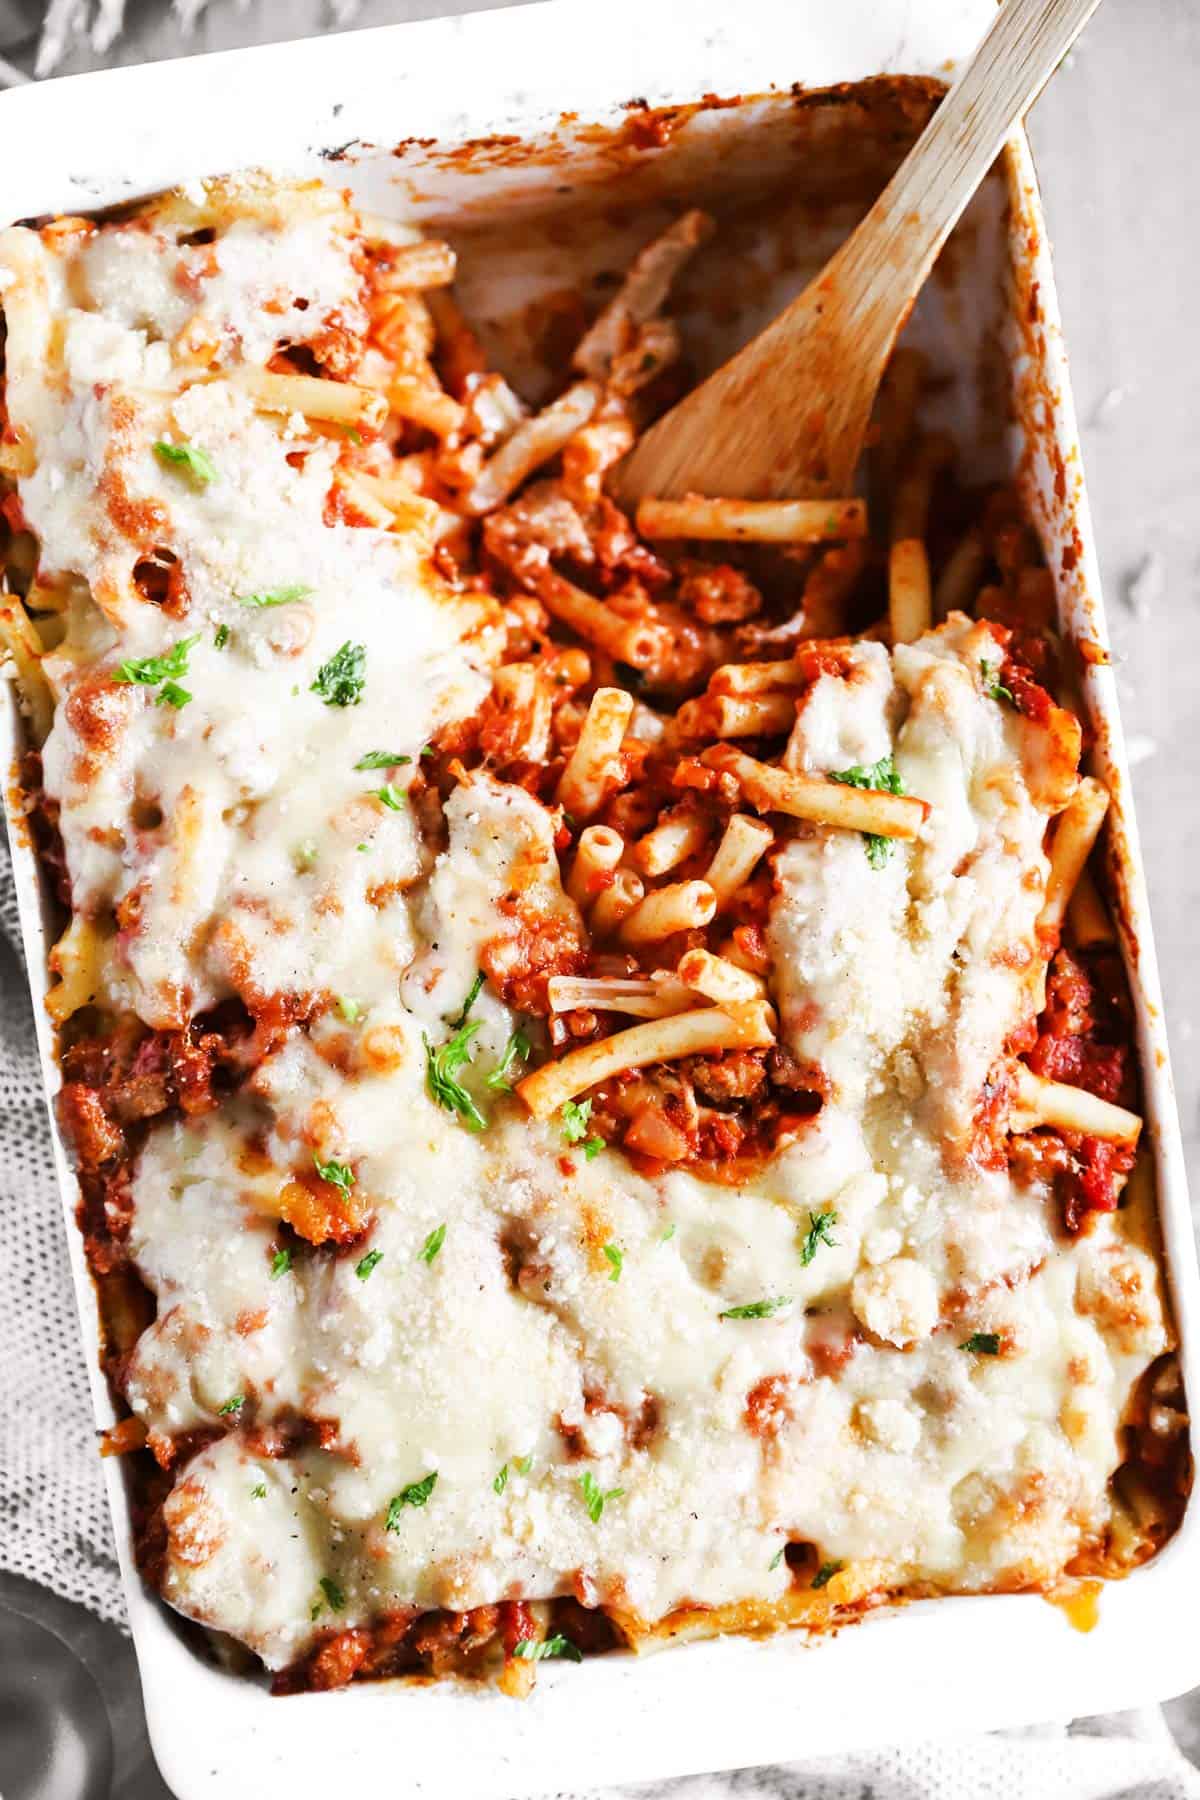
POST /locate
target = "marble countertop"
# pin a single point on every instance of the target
(1115, 138)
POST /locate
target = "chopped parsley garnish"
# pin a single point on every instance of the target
(220, 637)
(148, 671)
(341, 680)
(197, 464)
(428, 750)
(776, 1559)
(332, 1593)
(339, 1174)
(757, 1309)
(362, 848)
(669, 1233)
(232, 1406)
(281, 1263)
(993, 687)
(366, 1264)
(351, 1010)
(516, 1050)
(432, 1244)
(415, 1494)
(280, 596)
(982, 1343)
(500, 1481)
(171, 694)
(576, 1116)
(882, 777)
(382, 759)
(394, 798)
(616, 1259)
(820, 1225)
(522, 1464)
(594, 1497)
(826, 1573)
(259, 1491)
(531, 1650)
(442, 1066)
(473, 993)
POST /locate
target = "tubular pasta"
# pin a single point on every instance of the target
(1075, 834)
(533, 443)
(822, 802)
(642, 293)
(335, 402)
(709, 1029)
(741, 849)
(679, 907)
(1040, 1102)
(753, 521)
(588, 773)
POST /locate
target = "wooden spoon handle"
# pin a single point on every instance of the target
(925, 198)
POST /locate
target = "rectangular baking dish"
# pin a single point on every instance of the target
(561, 79)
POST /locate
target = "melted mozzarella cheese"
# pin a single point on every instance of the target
(249, 856)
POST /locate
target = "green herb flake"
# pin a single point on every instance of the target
(432, 1244)
(332, 1593)
(341, 1175)
(757, 1309)
(531, 1650)
(500, 1481)
(982, 1343)
(382, 759)
(615, 1257)
(993, 687)
(473, 993)
(428, 750)
(882, 777)
(351, 1010)
(365, 1267)
(259, 1491)
(415, 1494)
(394, 798)
(826, 1573)
(220, 637)
(442, 1066)
(594, 1498)
(234, 1405)
(776, 1559)
(341, 680)
(592, 1148)
(197, 464)
(522, 1464)
(576, 1116)
(362, 848)
(280, 596)
(669, 1233)
(171, 694)
(516, 1050)
(820, 1224)
(281, 1263)
(148, 671)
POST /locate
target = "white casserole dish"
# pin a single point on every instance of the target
(952, 1664)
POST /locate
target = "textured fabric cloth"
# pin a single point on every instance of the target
(54, 1523)
(1127, 1756)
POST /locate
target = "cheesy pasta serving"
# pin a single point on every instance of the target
(601, 1081)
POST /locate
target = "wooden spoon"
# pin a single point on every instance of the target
(788, 414)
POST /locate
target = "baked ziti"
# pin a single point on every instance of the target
(596, 1052)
